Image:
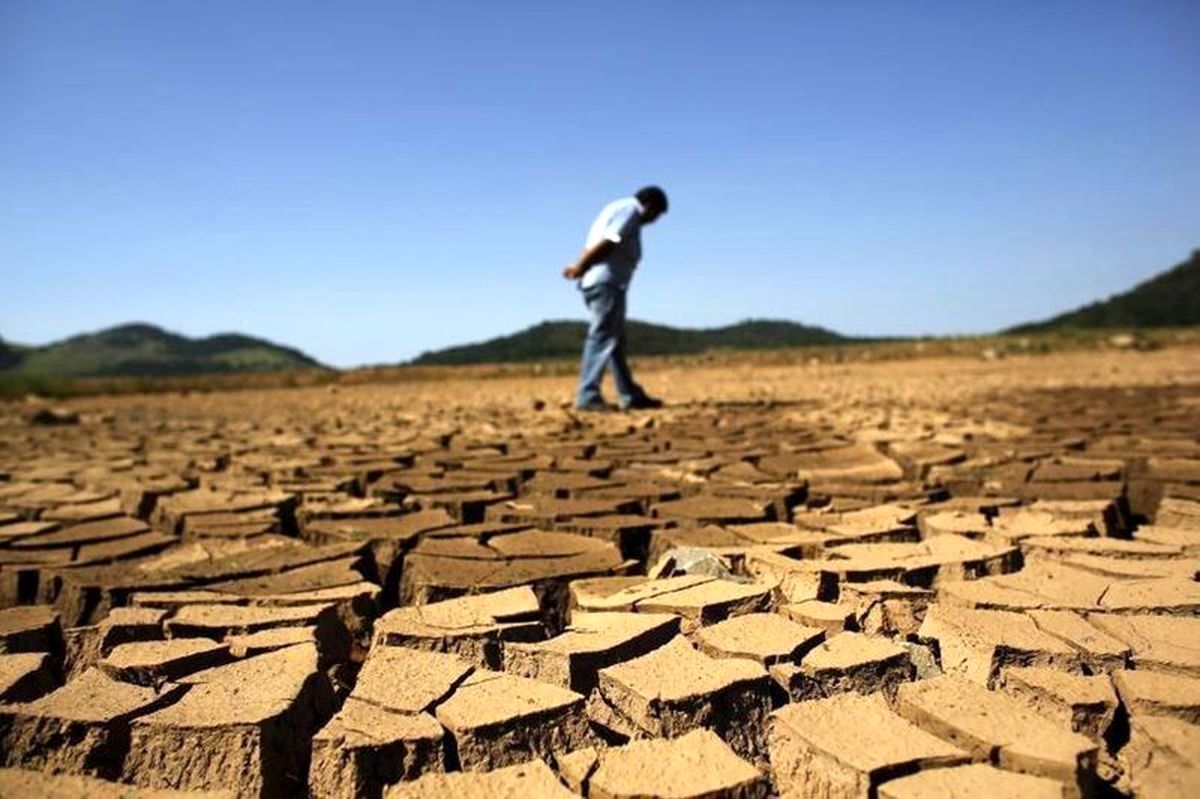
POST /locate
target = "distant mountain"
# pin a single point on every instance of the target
(145, 350)
(1171, 299)
(555, 340)
(10, 354)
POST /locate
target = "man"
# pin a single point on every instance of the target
(604, 270)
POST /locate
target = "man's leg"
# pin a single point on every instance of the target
(599, 345)
(627, 388)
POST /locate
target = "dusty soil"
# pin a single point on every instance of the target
(949, 576)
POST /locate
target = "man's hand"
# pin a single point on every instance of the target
(588, 258)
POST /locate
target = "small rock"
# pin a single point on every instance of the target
(1122, 341)
(53, 417)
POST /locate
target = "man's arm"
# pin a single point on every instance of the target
(588, 258)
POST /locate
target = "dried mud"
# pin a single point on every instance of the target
(936, 577)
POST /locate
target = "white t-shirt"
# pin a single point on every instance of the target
(621, 223)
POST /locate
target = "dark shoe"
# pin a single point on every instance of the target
(644, 403)
(598, 406)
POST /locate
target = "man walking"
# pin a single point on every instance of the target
(604, 270)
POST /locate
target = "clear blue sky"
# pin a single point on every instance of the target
(369, 180)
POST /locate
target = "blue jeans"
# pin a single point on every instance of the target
(605, 346)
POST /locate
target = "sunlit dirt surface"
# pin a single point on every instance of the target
(966, 576)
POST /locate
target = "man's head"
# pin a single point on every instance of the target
(654, 200)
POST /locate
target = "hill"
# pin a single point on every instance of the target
(1170, 299)
(10, 354)
(144, 350)
(555, 340)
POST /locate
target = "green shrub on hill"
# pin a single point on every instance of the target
(145, 350)
(1170, 299)
(560, 339)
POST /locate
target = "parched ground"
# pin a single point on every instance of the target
(933, 577)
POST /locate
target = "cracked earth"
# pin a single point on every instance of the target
(936, 577)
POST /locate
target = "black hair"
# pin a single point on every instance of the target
(652, 197)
